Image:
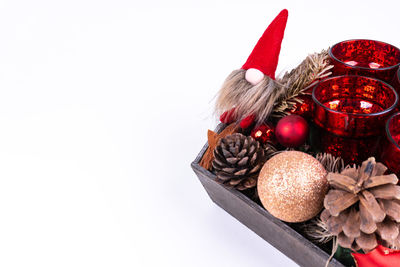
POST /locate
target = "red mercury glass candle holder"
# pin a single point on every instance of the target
(398, 77)
(351, 150)
(390, 155)
(396, 81)
(353, 106)
(352, 111)
(365, 58)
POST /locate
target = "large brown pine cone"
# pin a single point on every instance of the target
(363, 207)
(238, 160)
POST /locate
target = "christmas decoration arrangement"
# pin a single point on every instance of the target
(318, 146)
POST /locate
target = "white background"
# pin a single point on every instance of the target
(104, 104)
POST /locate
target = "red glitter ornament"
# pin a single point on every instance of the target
(263, 133)
(292, 131)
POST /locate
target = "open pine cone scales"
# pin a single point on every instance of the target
(363, 207)
(237, 161)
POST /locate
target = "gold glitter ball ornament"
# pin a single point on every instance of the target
(292, 186)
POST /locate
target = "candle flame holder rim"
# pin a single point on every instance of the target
(332, 56)
(386, 110)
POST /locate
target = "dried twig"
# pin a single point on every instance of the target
(317, 230)
(331, 163)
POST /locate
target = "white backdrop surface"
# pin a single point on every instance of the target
(104, 104)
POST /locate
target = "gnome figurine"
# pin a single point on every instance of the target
(248, 94)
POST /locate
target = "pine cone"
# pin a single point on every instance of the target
(363, 208)
(237, 161)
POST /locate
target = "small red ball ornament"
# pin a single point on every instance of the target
(292, 131)
(263, 133)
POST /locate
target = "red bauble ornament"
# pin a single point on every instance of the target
(292, 131)
(263, 133)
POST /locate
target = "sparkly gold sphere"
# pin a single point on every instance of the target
(292, 186)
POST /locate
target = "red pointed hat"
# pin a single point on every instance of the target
(265, 54)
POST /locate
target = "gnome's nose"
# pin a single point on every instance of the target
(254, 76)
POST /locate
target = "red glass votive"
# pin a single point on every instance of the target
(353, 106)
(365, 58)
(390, 155)
(396, 81)
(351, 150)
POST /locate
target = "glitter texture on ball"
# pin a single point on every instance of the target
(292, 186)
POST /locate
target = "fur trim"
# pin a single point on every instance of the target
(259, 100)
(248, 99)
(232, 90)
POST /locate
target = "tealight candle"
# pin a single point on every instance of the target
(366, 58)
